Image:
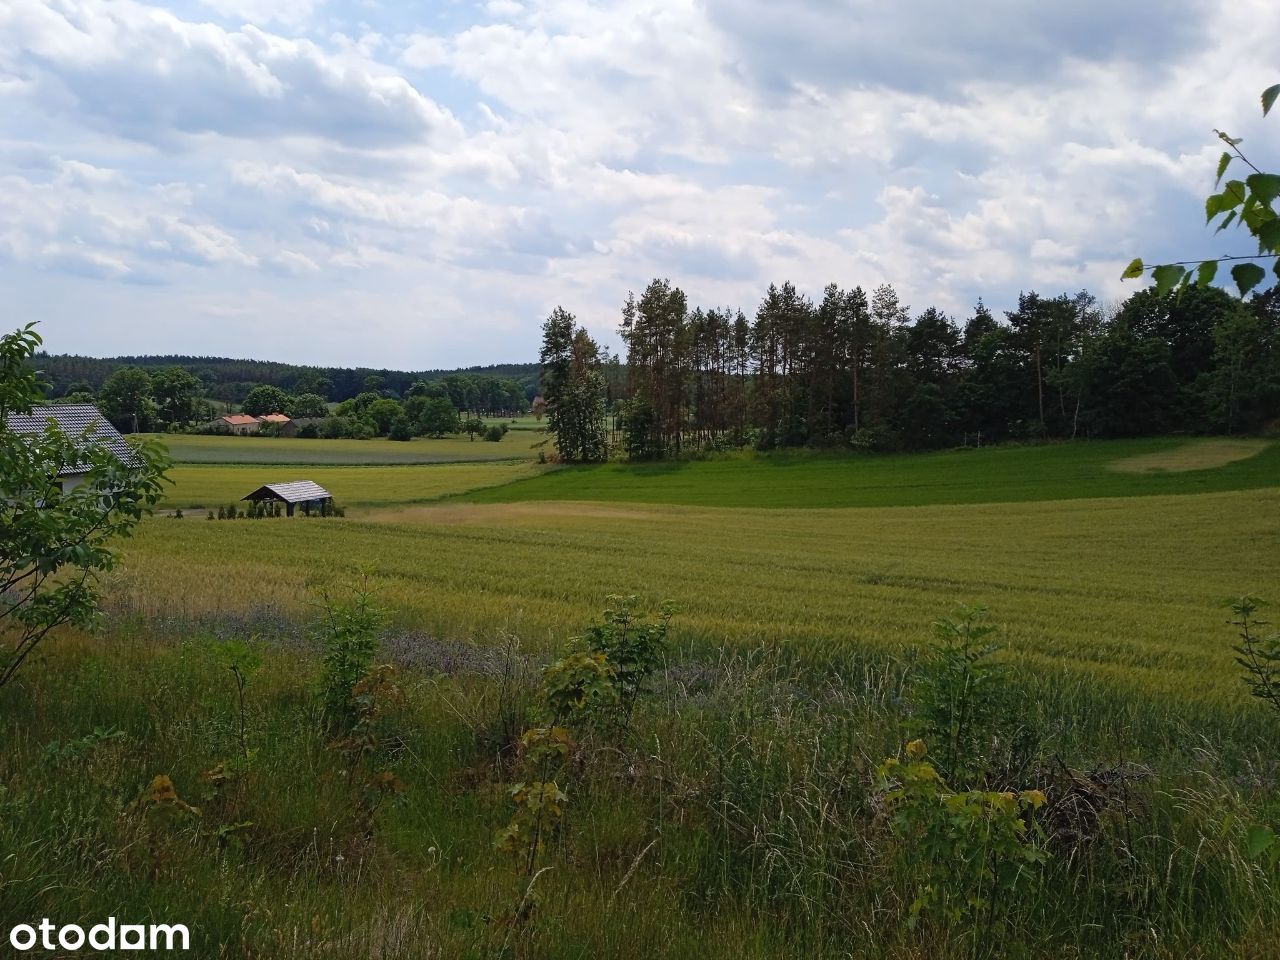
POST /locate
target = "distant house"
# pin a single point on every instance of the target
(76, 420)
(294, 426)
(238, 423)
(293, 493)
(277, 424)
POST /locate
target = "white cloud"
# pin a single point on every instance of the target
(140, 72)
(459, 169)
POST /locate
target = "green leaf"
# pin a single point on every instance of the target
(1265, 186)
(1166, 277)
(1233, 194)
(1259, 841)
(1269, 96)
(1269, 236)
(1223, 163)
(1247, 276)
(1226, 222)
(1133, 270)
(1212, 206)
(1208, 270)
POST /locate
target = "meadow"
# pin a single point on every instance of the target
(196, 448)
(1113, 468)
(201, 487)
(740, 814)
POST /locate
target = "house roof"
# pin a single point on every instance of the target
(274, 418)
(296, 491)
(76, 420)
(239, 419)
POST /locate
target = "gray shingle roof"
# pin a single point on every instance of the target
(76, 420)
(296, 491)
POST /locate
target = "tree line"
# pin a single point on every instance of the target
(863, 370)
(172, 398)
(228, 381)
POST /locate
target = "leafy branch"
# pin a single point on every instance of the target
(1248, 203)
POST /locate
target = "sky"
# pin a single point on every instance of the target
(416, 185)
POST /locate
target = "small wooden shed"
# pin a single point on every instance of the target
(295, 492)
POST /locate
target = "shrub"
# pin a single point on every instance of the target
(1257, 653)
(578, 682)
(972, 854)
(400, 429)
(54, 545)
(494, 433)
(348, 632)
(959, 693)
(632, 647)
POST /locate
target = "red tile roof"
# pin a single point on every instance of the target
(274, 418)
(240, 419)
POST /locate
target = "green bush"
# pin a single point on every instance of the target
(348, 632)
(974, 855)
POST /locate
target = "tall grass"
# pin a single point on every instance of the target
(739, 819)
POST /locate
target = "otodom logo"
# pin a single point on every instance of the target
(48, 936)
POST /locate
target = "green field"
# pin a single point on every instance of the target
(1119, 587)
(195, 448)
(738, 815)
(208, 486)
(1000, 475)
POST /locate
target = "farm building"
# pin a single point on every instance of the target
(239, 423)
(310, 495)
(77, 420)
(294, 426)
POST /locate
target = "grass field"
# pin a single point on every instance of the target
(209, 486)
(999, 475)
(225, 449)
(738, 815)
(1125, 589)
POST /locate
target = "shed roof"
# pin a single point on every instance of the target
(274, 418)
(76, 420)
(296, 491)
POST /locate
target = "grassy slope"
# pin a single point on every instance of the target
(1000, 475)
(217, 449)
(210, 485)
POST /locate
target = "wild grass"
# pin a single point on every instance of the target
(195, 448)
(997, 475)
(740, 820)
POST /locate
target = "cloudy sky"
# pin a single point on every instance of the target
(415, 184)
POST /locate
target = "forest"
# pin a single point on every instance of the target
(229, 380)
(864, 371)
